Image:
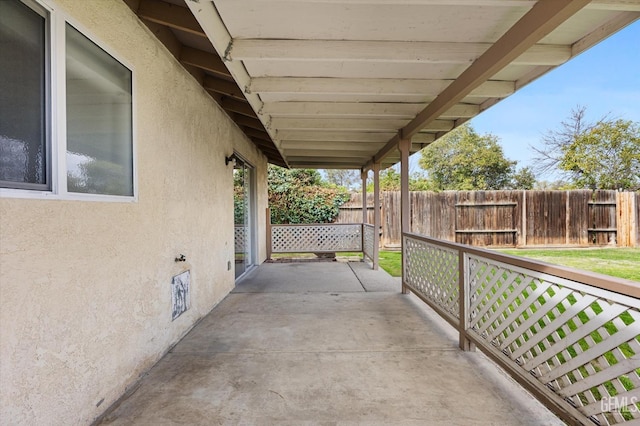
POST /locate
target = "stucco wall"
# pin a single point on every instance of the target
(85, 303)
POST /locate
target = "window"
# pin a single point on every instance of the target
(89, 148)
(24, 155)
(99, 154)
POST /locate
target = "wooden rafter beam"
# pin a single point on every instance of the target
(539, 21)
(253, 123)
(258, 134)
(166, 37)
(210, 62)
(423, 138)
(353, 124)
(360, 109)
(264, 147)
(387, 51)
(346, 153)
(618, 22)
(222, 87)
(333, 136)
(372, 86)
(333, 159)
(233, 105)
(330, 146)
(325, 165)
(170, 15)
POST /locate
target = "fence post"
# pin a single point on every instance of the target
(463, 302)
(268, 233)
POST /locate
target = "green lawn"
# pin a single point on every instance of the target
(617, 262)
(391, 261)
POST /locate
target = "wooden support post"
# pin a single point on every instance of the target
(268, 232)
(365, 218)
(463, 302)
(363, 175)
(523, 235)
(376, 215)
(405, 212)
(567, 222)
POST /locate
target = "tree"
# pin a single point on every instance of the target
(524, 178)
(343, 177)
(544, 185)
(301, 196)
(464, 160)
(603, 155)
(390, 181)
(548, 158)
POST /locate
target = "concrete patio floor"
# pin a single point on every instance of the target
(325, 343)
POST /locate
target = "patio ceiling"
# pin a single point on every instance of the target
(337, 83)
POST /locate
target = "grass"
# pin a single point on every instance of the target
(617, 262)
(391, 261)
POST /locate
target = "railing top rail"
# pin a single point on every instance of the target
(605, 282)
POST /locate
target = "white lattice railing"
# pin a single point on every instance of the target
(368, 237)
(571, 337)
(316, 238)
(240, 238)
(432, 273)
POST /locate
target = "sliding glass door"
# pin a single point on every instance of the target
(243, 216)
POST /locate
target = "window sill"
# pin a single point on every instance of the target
(48, 195)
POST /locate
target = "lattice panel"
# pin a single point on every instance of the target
(316, 238)
(581, 342)
(240, 238)
(368, 238)
(432, 271)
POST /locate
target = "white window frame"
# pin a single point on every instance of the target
(56, 123)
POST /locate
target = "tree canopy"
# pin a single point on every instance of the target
(390, 181)
(301, 196)
(464, 160)
(343, 177)
(600, 155)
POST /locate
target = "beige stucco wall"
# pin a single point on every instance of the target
(85, 304)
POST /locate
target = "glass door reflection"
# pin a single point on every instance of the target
(242, 216)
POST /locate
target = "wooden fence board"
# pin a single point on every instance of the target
(578, 217)
(509, 218)
(627, 219)
(546, 223)
(602, 218)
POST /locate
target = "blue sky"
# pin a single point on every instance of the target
(605, 79)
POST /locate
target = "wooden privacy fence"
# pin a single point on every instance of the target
(509, 218)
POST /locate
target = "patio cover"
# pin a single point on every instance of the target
(338, 83)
